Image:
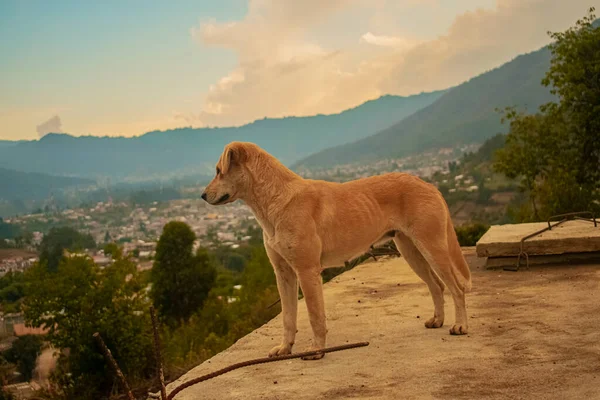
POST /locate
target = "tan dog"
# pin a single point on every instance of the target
(309, 225)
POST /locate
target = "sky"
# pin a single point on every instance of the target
(123, 68)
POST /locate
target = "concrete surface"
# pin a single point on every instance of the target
(533, 335)
(570, 237)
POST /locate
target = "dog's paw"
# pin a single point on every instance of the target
(434, 322)
(317, 356)
(459, 330)
(281, 350)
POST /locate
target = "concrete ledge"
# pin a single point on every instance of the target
(570, 237)
(525, 330)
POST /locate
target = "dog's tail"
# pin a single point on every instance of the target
(461, 270)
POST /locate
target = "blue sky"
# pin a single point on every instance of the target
(127, 67)
(101, 57)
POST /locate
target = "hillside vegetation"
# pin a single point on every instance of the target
(465, 114)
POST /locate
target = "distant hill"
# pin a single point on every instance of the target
(188, 152)
(15, 185)
(8, 143)
(464, 114)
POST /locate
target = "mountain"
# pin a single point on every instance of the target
(464, 114)
(188, 152)
(8, 143)
(15, 185)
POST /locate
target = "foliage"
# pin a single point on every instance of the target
(235, 260)
(574, 76)
(12, 290)
(226, 315)
(24, 353)
(112, 249)
(60, 239)
(80, 299)
(181, 280)
(556, 152)
(485, 153)
(469, 234)
(25, 237)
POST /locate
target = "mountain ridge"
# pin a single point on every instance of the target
(193, 151)
(466, 113)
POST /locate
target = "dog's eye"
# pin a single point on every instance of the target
(218, 170)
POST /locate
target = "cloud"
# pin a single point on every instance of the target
(290, 64)
(53, 125)
(387, 41)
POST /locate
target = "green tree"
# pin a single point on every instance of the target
(11, 287)
(180, 279)
(113, 249)
(556, 152)
(60, 239)
(221, 322)
(525, 154)
(24, 353)
(574, 76)
(80, 299)
(469, 234)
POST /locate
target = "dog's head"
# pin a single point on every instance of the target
(232, 177)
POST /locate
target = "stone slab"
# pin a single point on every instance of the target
(562, 259)
(573, 236)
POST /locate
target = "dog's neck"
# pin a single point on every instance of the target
(269, 190)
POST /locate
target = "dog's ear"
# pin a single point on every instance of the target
(234, 153)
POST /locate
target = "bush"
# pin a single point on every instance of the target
(469, 234)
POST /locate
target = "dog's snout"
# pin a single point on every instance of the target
(203, 196)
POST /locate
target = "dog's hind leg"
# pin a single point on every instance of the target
(422, 268)
(432, 243)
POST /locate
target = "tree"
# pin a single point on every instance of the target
(24, 239)
(60, 239)
(79, 299)
(12, 290)
(24, 353)
(525, 154)
(556, 152)
(180, 279)
(468, 235)
(574, 75)
(113, 250)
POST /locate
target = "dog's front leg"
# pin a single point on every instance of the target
(287, 285)
(312, 289)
